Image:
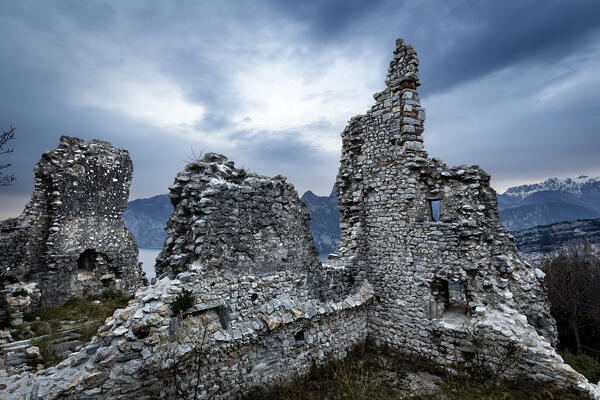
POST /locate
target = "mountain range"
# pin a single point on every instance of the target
(554, 200)
(520, 207)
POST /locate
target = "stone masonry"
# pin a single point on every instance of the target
(424, 267)
(447, 280)
(240, 244)
(70, 239)
(259, 227)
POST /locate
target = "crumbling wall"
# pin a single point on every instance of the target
(445, 273)
(70, 239)
(225, 217)
(239, 245)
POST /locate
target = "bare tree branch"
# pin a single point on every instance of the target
(5, 137)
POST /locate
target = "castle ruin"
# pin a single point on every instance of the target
(424, 268)
(70, 239)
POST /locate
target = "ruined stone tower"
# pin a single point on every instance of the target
(229, 219)
(427, 236)
(70, 239)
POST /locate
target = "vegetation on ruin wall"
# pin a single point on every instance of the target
(573, 281)
(370, 373)
(87, 313)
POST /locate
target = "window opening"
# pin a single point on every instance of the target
(456, 294)
(448, 296)
(299, 337)
(90, 259)
(435, 209)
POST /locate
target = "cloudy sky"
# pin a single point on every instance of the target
(511, 86)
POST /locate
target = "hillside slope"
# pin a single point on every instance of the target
(325, 220)
(546, 241)
(147, 218)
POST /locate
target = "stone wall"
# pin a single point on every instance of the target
(445, 273)
(70, 239)
(225, 217)
(256, 318)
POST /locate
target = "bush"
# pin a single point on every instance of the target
(184, 301)
(573, 282)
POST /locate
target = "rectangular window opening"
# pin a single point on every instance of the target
(299, 337)
(448, 297)
(435, 209)
(456, 294)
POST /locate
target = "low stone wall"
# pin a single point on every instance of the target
(145, 352)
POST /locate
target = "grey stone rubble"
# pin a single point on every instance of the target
(70, 239)
(423, 267)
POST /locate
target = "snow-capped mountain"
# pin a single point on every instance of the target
(575, 186)
(548, 202)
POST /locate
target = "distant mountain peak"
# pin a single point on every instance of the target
(333, 194)
(554, 200)
(573, 186)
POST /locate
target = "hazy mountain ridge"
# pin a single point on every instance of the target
(325, 220)
(147, 218)
(546, 241)
(521, 207)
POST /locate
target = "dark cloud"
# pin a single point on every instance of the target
(509, 85)
(327, 20)
(499, 35)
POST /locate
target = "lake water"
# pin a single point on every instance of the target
(147, 258)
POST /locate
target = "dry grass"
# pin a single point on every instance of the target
(370, 373)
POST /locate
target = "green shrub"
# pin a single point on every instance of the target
(584, 364)
(184, 301)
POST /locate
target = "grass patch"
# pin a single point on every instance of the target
(370, 373)
(49, 358)
(88, 313)
(77, 308)
(356, 377)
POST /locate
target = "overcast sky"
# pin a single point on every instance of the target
(511, 86)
